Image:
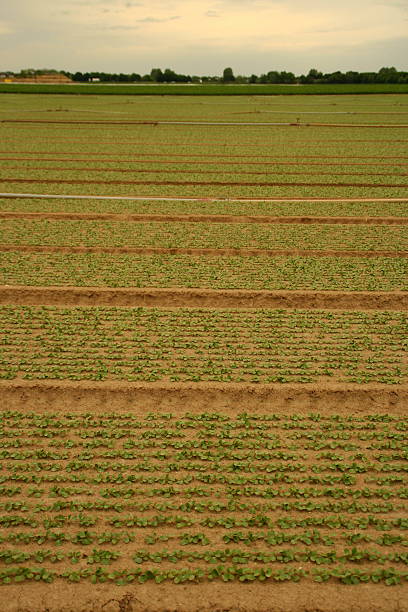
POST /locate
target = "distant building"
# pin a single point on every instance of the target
(53, 78)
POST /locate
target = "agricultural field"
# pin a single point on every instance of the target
(203, 355)
(203, 496)
(194, 271)
(170, 235)
(208, 206)
(155, 89)
(264, 346)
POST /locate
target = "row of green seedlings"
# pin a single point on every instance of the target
(389, 577)
(270, 538)
(164, 518)
(99, 269)
(236, 556)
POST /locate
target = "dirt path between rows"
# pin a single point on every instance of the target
(206, 218)
(206, 597)
(99, 397)
(27, 248)
(95, 396)
(202, 298)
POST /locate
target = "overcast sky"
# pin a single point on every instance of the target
(204, 36)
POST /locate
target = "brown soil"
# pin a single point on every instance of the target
(207, 218)
(26, 248)
(212, 597)
(197, 183)
(203, 298)
(343, 399)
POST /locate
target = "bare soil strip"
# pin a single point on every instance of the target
(208, 123)
(87, 159)
(207, 218)
(202, 298)
(99, 397)
(27, 248)
(147, 198)
(205, 597)
(198, 183)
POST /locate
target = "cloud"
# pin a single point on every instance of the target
(123, 27)
(400, 4)
(5, 28)
(158, 20)
(249, 35)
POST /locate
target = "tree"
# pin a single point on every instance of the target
(169, 76)
(157, 75)
(387, 75)
(228, 76)
(313, 76)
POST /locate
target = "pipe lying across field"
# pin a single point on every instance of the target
(207, 123)
(149, 198)
(202, 298)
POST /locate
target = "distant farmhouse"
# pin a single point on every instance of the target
(53, 78)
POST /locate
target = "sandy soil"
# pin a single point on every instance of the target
(213, 597)
(197, 397)
(202, 298)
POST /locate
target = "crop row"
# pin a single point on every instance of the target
(213, 556)
(215, 235)
(122, 125)
(190, 494)
(225, 166)
(322, 209)
(192, 344)
(156, 188)
(232, 272)
(224, 573)
(217, 175)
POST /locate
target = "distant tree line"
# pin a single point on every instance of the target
(157, 75)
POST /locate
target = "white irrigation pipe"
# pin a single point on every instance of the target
(185, 199)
